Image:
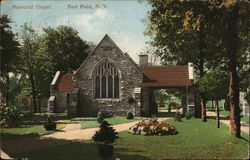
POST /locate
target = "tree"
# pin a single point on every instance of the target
(180, 31)
(15, 87)
(9, 53)
(219, 28)
(29, 47)
(107, 135)
(234, 37)
(42, 55)
(161, 96)
(214, 84)
(11, 114)
(65, 49)
(59, 49)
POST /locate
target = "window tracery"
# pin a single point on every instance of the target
(106, 80)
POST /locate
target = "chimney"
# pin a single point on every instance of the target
(143, 60)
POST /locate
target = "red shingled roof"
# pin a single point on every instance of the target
(153, 76)
(65, 83)
(156, 76)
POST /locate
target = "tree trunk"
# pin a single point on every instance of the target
(217, 113)
(34, 94)
(39, 104)
(232, 40)
(234, 105)
(197, 110)
(201, 69)
(213, 105)
(7, 90)
(203, 109)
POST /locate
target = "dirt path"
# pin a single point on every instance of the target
(71, 133)
(3, 155)
(71, 127)
(244, 128)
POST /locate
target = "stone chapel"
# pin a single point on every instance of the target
(106, 79)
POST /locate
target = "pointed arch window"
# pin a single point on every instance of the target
(106, 80)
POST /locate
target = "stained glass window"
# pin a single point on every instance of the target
(97, 86)
(116, 88)
(106, 80)
(104, 88)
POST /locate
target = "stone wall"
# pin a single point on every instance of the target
(61, 100)
(130, 78)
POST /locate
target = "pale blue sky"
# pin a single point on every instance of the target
(121, 20)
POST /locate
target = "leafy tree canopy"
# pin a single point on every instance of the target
(65, 49)
(214, 84)
(8, 46)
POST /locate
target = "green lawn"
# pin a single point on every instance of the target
(92, 123)
(25, 131)
(209, 104)
(225, 113)
(245, 119)
(196, 140)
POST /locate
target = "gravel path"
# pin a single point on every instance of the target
(72, 127)
(244, 128)
(71, 133)
(86, 134)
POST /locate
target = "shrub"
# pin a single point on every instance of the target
(105, 134)
(154, 118)
(100, 117)
(173, 105)
(50, 124)
(130, 100)
(177, 116)
(130, 115)
(10, 116)
(150, 127)
(189, 115)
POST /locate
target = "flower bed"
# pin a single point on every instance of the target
(153, 127)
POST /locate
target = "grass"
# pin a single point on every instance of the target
(196, 140)
(245, 119)
(225, 113)
(209, 103)
(26, 131)
(88, 123)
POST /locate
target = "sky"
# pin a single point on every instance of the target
(122, 20)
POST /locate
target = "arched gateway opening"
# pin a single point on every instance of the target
(173, 81)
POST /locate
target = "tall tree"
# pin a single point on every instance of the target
(234, 39)
(65, 48)
(214, 84)
(9, 53)
(59, 49)
(28, 54)
(180, 31)
(224, 35)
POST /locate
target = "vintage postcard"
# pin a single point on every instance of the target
(124, 79)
